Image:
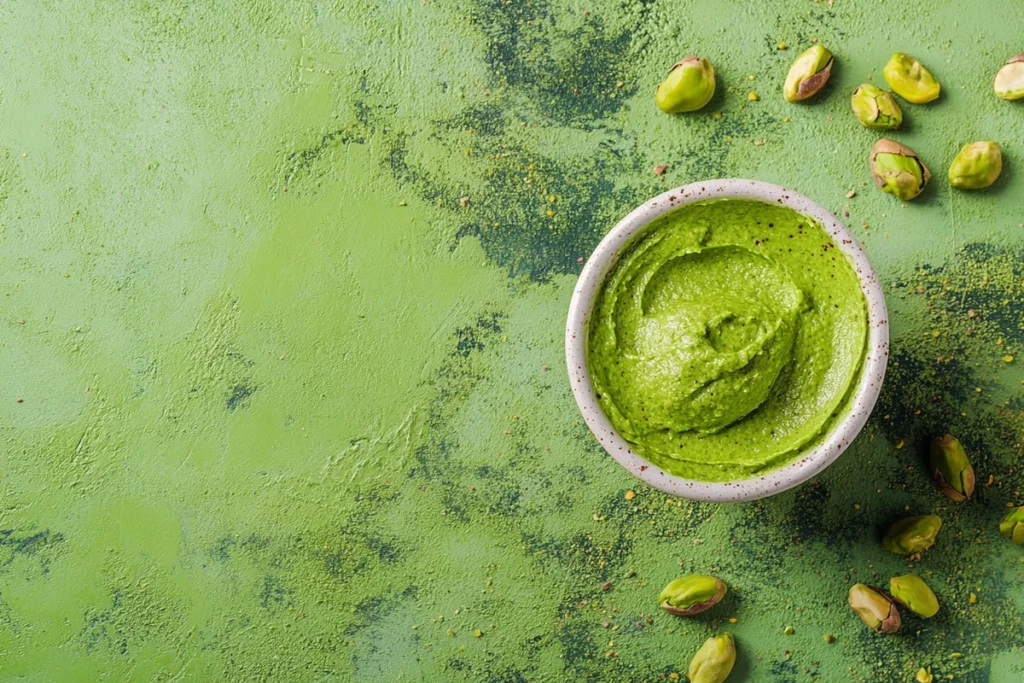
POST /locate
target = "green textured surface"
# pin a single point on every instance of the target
(275, 425)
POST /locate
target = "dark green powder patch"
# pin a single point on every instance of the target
(571, 66)
(948, 374)
(35, 546)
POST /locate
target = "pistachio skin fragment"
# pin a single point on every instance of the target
(1012, 526)
(714, 660)
(978, 165)
(874, 608)
(897, 169)
(876, 108)
(692, 594)
(952, 470)
(1009, 82)
(808, 74)
(909, 79)
(912, 535)
(913, 593)
(689, 86)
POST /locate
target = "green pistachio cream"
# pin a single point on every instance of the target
(727, 339)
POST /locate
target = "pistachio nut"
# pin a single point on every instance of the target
(910, 80)
(1012, 525)
(714, 660)
(912, 535)
(897, 170)
(913, 593)
(876, 108)
(874, 608)
(976, 166)
(809, 73)
(1009, 83)
(689, 86)
(692, 594)
(953, 472)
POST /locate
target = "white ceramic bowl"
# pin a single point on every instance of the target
(808, 463)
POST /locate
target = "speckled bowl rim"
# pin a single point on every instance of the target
(809, 463)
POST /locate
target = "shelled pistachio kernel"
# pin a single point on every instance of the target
(913, 593)
(1012, 525)
(897, 170)
(909, 79)
(689, 86)
(977, 166)
(874, 608)
(1009, 81)
(952, 470)
(912, 534)
(693, 594)
(876, 108)
(808, 74)
(714, 660)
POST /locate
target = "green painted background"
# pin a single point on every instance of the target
(290, 412)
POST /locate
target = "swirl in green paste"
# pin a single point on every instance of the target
(727, 338)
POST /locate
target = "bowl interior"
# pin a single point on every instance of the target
(810, 462)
